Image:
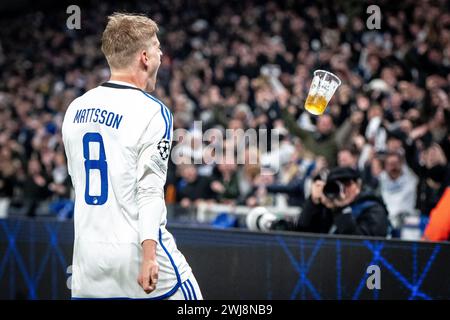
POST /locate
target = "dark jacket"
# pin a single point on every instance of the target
(367, 216)
(427, 196)
(294, 190)
(198, 189)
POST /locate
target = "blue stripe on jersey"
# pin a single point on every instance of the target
(188, 291)
(165, 120)
(170, 258)
(171, 122)
(165, 112)
(192, 289)
(169, 116)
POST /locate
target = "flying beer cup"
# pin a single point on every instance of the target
(323, 86)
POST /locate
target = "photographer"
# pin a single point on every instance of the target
(339, 205)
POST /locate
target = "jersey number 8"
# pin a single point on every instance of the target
(98, 164)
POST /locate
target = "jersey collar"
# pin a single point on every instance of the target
(119, 85)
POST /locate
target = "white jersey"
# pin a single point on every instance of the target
(117, 140)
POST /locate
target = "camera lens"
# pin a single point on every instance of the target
(333, 189)
(260, 219)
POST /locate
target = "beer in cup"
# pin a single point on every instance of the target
(323, 86)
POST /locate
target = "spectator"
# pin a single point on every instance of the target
(352, 211)
(225, 183)
(35, 190)
(327, 140)
(430, 165)
(192, 188)
(294, 177)
(7, 181)
(259, 196)
(347, 157)
(398, 188)
(248, 172)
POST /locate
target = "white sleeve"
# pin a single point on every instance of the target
(151, 177)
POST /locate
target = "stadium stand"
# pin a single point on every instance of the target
(390, 118)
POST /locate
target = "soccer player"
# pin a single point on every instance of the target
(117, 139)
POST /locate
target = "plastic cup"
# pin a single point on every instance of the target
(323, 87)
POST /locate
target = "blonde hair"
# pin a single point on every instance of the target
(124, 35)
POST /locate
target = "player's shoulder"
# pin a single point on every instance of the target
(159, 112)
(86, 96)
(154, 103)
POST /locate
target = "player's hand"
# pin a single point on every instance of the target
(148, 277)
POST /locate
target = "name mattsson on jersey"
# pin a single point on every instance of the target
(101, 116)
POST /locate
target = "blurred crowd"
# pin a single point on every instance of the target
(389, 119)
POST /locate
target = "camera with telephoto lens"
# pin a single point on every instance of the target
(261, 219)
(333, 189)
(335, 181)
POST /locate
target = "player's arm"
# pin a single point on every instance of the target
(150, 200)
